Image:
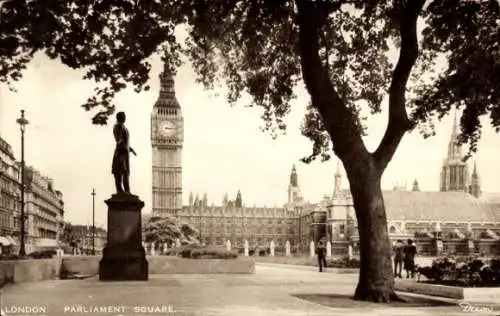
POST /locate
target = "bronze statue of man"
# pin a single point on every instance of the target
(121, 164)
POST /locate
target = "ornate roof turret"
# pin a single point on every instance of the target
(167, 98)
(205, 199)
(238, 202)
(293, 177)
(415, 186)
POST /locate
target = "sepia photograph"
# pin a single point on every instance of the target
(249, 157)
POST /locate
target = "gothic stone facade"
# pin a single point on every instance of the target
(167, 131)
(259, 226)
(232, 220)
(455, 220)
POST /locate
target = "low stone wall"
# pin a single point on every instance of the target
(89, 265)
(176, 265)
(29, 270)
(57, 267)
(80, 265)
(484, 294)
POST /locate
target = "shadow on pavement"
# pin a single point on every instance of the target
(346, 301)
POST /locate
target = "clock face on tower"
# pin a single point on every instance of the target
(167, 128)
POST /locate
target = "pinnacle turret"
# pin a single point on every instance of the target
(294, 181)
(239, 201)
(167, 98)
(416, 187)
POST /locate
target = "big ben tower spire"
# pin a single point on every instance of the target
(167, 131)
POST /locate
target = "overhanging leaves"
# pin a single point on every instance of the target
(252, 47)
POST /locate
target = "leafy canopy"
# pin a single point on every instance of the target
(253, 47)
(166, 229)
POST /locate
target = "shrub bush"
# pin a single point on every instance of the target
(212, 253)
(343, 263)
(177, 251)
(202, 252)
(45, 254)
(462, 271)
(11, 257)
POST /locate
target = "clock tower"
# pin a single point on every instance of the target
(166, 140)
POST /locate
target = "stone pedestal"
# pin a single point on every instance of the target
(124, 257)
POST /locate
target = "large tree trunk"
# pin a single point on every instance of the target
(376, 281)
(364, 170)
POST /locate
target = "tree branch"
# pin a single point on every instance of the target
(327, 53)
(407, 12)
(339, 121)
(2, 2)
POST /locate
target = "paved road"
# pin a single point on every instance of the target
(268, 292)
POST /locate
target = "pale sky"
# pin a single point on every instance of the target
(224, 149)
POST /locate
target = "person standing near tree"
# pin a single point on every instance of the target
(398, 250)
(409, 264)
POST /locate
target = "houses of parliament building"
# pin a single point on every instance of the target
(232, 220)
(456, 219)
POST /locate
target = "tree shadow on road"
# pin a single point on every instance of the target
(347, 301)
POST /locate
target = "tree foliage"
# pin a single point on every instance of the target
(69, 234)
(338, 48)
(467, 33)
(253, 47)
(167, 229)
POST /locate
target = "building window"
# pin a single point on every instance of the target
(392, 230)
(342, 229)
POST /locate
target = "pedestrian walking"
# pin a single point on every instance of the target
(321, 252)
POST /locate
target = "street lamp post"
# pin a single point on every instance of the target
(200, 226)
(300, 231)
(93, 222)
(22, 123)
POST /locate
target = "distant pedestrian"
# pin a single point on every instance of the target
(321, 252)
(409, 264)
(399, 255)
